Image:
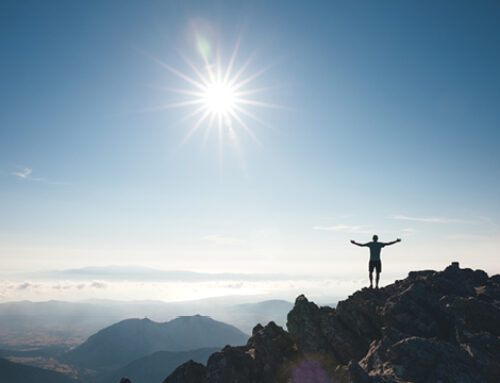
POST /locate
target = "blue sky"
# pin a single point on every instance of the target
(388, 125)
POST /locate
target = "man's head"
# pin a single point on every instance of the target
(375, 238)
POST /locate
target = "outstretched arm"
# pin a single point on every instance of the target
(358, 244)
(393, 242)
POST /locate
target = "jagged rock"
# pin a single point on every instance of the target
(271, 346)
(357, 374)
(189, 372)
(344, 333)
(432, 327)
(416, 359)
(267, 352)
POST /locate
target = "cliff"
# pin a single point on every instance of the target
(430, 327)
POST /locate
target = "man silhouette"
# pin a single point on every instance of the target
(375, 263)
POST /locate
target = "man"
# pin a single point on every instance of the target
(375, 247)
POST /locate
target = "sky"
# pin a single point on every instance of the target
(361, 118)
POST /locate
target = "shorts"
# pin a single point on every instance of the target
(377, 265)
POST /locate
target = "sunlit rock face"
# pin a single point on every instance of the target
(430, 327)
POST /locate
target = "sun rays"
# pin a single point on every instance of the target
(217, 95)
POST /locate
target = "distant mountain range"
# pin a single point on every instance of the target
(110, 346)
(39, 324)
(154, 368)
(131, 339)
(19, 373)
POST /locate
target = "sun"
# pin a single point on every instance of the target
(219, 98)
(219, 95)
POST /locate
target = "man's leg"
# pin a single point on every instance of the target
(371, 279)
(378, 269)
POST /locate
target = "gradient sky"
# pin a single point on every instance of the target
(389, 124)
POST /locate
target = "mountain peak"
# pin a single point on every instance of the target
(433, 326)
(131, 339)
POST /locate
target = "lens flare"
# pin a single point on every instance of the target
(309, 371)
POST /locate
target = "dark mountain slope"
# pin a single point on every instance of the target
(19, 373)
(153, 368)
(128, 340)
(430, 327)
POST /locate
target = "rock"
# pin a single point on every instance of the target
(477, 315)
(416, 359)
(430, 327)
(189, 372)
(257, 328)
(323, 330)
(357, 374)
(260, 360)
(125, 380)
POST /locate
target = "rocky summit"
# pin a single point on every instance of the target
(432, 327)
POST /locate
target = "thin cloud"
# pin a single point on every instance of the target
(221, 240)
(408, 231)
(487, 220)
(27, 174)
(429, 219)
(62, 287)
(238, 285)
(68, 285)
(24, 286)
(104, 274)
(98, 285)
(469, 237)
(135, 273)
(24, 174)
(344, 228)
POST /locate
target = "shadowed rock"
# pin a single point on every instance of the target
(430, 327)
(189, 372)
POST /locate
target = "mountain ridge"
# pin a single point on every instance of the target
(130, 339)
(152, 368)
(433, 326)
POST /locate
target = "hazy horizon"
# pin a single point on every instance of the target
(136, 283)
